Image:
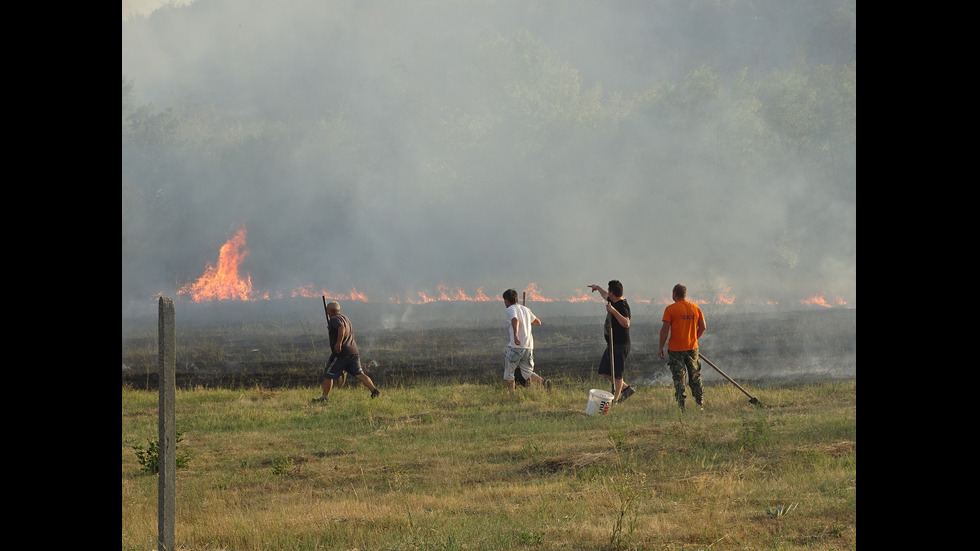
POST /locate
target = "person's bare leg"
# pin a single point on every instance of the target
(326, 386)
(367, 382)
(619, 389)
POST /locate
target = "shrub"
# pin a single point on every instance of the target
(149, 457)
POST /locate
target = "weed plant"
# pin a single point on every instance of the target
(459, 465)
(149, 456)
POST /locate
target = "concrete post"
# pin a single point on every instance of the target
(167, 495)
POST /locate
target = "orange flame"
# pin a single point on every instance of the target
(582, 296)
(725, 297)
(534, 294)
(815, 300)
(819, 300)
(447, 294)
(221, 282)
(309, 291)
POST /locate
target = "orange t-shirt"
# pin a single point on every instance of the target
(683, 317)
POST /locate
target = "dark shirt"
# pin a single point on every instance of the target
(348, 345)
(621, 335)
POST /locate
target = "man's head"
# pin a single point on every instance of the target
(510, 297)
(616, 288)
(333, 308)
(680, 292)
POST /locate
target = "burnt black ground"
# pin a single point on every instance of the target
(244, 346)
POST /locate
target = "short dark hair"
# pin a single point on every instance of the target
(510, 295)
(616, 288)
(680, 290)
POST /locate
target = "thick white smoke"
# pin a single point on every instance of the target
(395, 146)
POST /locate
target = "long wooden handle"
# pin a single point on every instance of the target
(612, 353)
(730, 380)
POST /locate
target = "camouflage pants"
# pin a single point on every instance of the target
(686, 363)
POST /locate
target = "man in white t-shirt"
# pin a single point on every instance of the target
(520, 349)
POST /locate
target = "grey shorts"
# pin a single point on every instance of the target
(515, 358)
(339, 363)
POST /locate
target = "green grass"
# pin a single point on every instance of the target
(468, 466)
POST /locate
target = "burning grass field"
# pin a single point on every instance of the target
(446, 459)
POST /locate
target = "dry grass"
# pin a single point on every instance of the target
(468, 467)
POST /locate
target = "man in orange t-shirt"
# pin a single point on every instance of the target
(684, 322)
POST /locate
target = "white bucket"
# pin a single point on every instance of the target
(599, 402)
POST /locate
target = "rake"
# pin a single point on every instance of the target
(752, 399)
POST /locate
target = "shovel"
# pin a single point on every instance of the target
(752, 399)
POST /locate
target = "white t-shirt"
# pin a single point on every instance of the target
(525, 317)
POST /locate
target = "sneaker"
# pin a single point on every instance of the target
(375, 393)
(320, 400)
(627, 392)
(547, 385)
(701, 405)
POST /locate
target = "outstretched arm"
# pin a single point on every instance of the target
(603, 292)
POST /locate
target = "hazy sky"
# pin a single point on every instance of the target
(500, 208)
(146, 7)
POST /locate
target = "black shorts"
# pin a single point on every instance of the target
(339, 363)
(621, 352)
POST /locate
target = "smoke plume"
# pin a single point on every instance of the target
(395, 146)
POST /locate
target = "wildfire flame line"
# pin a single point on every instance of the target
(445, 293)
(818, 300)
(222, 282)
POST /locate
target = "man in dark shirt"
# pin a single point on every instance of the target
(344, 356)
(617, 334)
